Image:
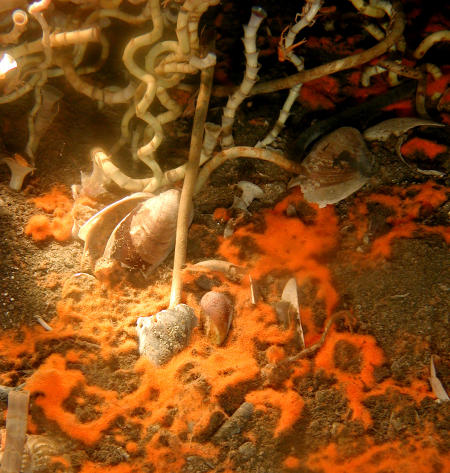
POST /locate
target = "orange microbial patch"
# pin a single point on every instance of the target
(289, 403)
(320, 93)
(407, 206)
(291, 462)
(289, 245)
(410, 456)
(39, 227)
(356, 385)
(221, 214)
(421, 147)
(42, 227)
(90, 384)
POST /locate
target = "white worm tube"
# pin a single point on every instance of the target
(56, 40)
(429, 41)
(193, 21)
(245, 152)
(112, 172)
(143, 40)
(250, 76)
(367, 10)
(369, 72)
(95, 93)
(375, 31)
(307, 18)
(21, 91)
(174, 110)
(20, 21)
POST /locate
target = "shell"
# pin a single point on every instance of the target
(338, 165)
(37, 454)
(96, 231)
(163, 335)
(217, 314)
(395, 126)
(147, 234)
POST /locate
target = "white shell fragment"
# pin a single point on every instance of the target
(288, 309)
(166, 333)
(250, 192)
(337, 166)
(436, 384)
(19, 171)
(230, 270)
(395, 126)
(217, 314)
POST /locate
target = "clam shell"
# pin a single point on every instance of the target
(395, 126)
(147, 234)
(217, 314)
(338, 165)
(163, 335)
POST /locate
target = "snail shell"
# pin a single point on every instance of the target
(147, 234)
(217, 314)
(338, 165)
(37, 454)
(163, 335)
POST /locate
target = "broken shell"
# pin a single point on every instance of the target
(147, 234)
(231, 270)
(250, 192)
(19, 171)
(96, 231)
(395, 126)
(217, 314)
(436, 385)
(163, 335)
(337, 166)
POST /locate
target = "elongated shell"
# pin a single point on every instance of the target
(395, 126)
(338, 165)
(147, 234)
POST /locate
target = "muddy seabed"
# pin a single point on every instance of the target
(362, 402)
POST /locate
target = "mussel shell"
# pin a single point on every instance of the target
(338, 165)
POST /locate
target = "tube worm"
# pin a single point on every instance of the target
(186, 206)
(368, 10)
(41, 116)
(112, 172)
(430, 41)
(307, 18)
(245, 152)
(20, 21)
(67, 38)
(250, 75)
(96, 93)
(16, 427)
(212, 132)
(395, 31)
